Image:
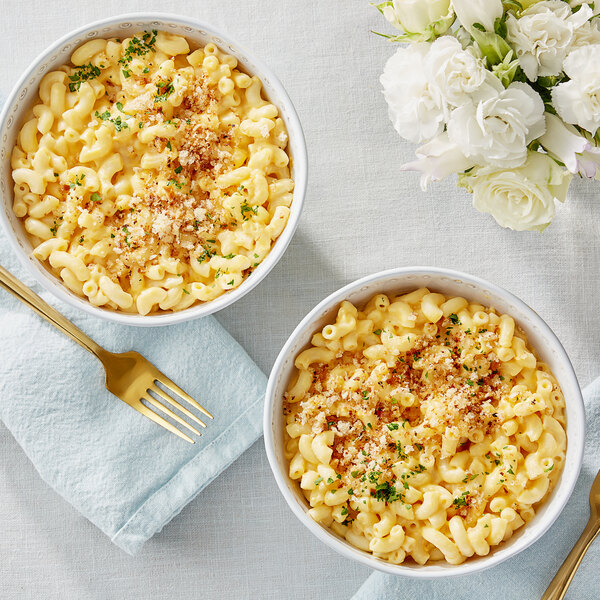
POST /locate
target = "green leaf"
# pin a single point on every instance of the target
(550, 80)
(500, 27)
(380, 6)
(492, 46)
(514, 5)
(508, 70)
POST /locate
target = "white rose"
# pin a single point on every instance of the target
(522, 199)
(438, 159)
(416, 107)
(483, 12)
(578, 101)
(566, 144)
(543, 34)
(586, 35)
(497, 129)
(418, 18)
(457, 73)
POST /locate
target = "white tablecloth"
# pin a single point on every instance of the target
(238, 539)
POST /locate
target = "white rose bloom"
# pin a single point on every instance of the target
(416, 107)
(438, 159)
(522, 199)
(578, 101)
(586, 35)
(484, 12)
(565, 143)
(418, 16)
(497, 129)
(543, 34)
(457, 73)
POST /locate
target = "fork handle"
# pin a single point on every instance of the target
(31, 299)
(559, 585)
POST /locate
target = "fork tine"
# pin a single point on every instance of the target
(177, 390)
(183, 409)
(169, 412)
(142, 408)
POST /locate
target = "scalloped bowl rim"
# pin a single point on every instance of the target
(380, 282)
(296, 146)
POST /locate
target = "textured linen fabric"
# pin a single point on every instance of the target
(361, 216)
(124, 473)
(527, 575)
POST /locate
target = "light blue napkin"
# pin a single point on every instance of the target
(124, 473)
(527, 575)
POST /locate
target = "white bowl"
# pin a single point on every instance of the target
(447, 282)
(24, 92)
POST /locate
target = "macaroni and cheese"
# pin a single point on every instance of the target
(150, 176)
(423, 427)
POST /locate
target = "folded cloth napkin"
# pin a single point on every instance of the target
(120, 470)
(527, 575)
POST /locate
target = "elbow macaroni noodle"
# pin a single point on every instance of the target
(423, 427)
(149, 176)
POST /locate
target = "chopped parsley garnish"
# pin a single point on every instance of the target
(549, 468)
(386, 491)
(454, 318)
(207, 253)
(344, 511)
(318, 480)
(229, 256)
(392, 426)
(365, 394)
(377, 332)
(401, 453)
(82, 73)
(245, 208)
(166, 87)
(175, 183)
(461, 500)
(178, 169)
(186, 292)
(95, 197)
(117, 122)
(78, 181)
(139, 47)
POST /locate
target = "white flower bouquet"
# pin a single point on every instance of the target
(506, 94)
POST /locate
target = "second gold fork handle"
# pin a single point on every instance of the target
(559, 585)
(31, 299)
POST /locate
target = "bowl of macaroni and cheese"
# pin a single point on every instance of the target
(424, 422)
(152, 170)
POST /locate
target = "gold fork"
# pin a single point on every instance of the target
(558, 586)
(129, 376)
